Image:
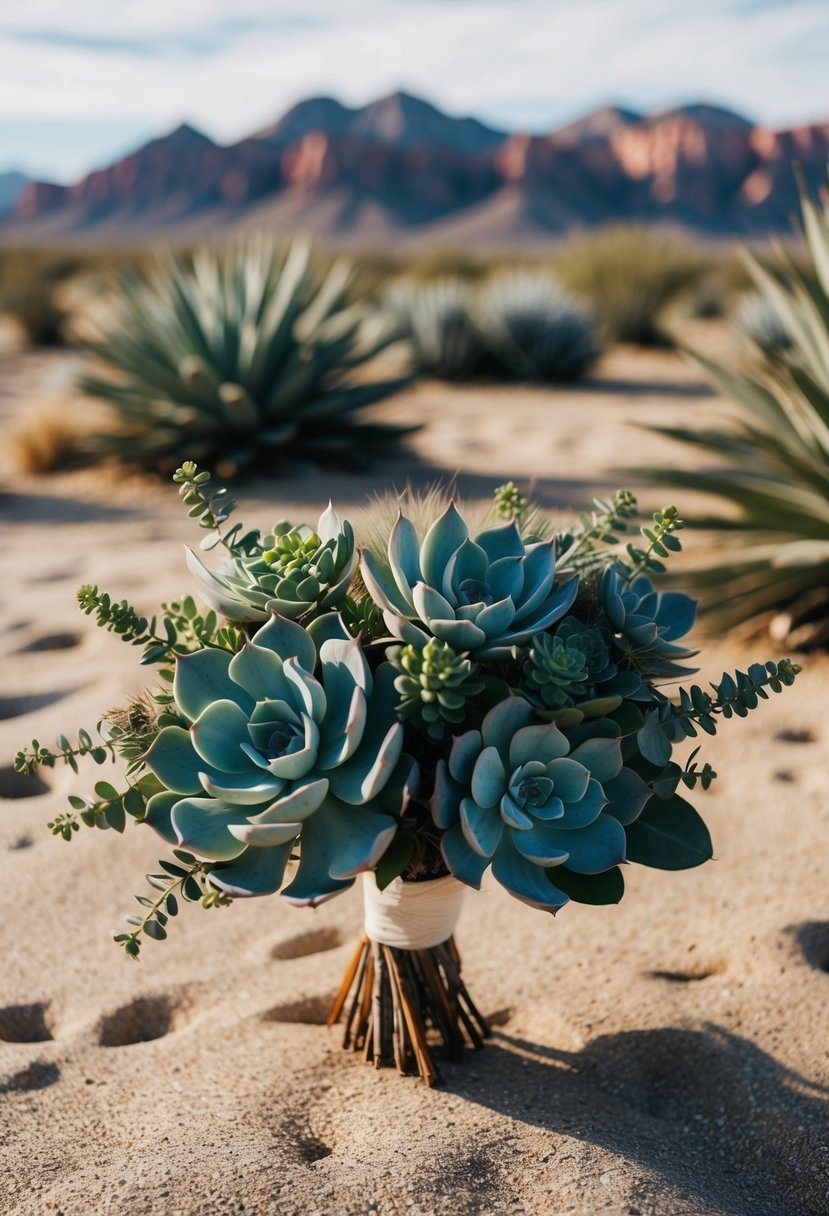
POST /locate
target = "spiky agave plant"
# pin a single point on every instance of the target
(436, 318)
(242, 356)
(535, 330)
(773, 458)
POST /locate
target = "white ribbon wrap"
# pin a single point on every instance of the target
(412, 915)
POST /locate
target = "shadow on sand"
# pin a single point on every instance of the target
(723, 1123)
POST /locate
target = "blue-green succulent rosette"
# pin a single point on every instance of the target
(296, 571)
(516, 797)
(647, 625)
(272, 757)
(483, 595)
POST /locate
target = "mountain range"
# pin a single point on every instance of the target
(399, 171)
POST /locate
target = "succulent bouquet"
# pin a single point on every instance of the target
(442, 702)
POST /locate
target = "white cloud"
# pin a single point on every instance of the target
(229, 67)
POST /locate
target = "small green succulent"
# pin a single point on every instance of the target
(515, 796)
(435, 684)
(268, 755)
(555, 673)
(297, 572)
(592, 643)
(483, 595)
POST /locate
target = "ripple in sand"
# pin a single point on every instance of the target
(16, 707)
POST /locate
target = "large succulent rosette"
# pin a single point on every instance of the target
(270, 755)
(483, 596)
(516, 796)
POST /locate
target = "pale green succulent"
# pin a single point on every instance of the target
(296, 572)
(482, 596)
(514, 795)
(272, 757)
(435, 684)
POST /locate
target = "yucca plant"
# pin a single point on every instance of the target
(436, 318)
(535, 330)
(774, 458)
(241, 356)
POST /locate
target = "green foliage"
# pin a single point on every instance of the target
(628, 274)
(183, 879)
(772, 460)
(584, 547)
(180, 628)
(532, 329)
(241, 356)
(509, 502)
(28, 761)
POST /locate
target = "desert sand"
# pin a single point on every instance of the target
(667, 1056)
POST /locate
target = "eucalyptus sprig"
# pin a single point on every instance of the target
(100, 750)
(180, 629)
(184, 878)
(690, 775)
(661, 543)
(697, 710)
(600, 527)
(212, 508)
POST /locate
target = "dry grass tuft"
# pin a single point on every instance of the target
(46, 444)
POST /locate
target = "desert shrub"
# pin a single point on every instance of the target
(773, 458)
(628, 274)
(242, 356)
(436, 318)
(29, 283)
(532, 329)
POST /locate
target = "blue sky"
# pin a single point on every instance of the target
(81, 84)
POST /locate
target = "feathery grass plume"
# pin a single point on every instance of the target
(772, 459)
(533, 329)
(243, 357)
(628, 274)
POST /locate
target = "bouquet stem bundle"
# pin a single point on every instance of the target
(403, 1003)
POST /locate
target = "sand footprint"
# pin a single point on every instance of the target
(314, 942)
(17, 707)
(21, 785)
(812, 937)
(306, 1010)
(51, 641)
(26, 1023)
(141, 1020)
(37, 1075)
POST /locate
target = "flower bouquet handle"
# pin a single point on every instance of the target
(446, 703)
